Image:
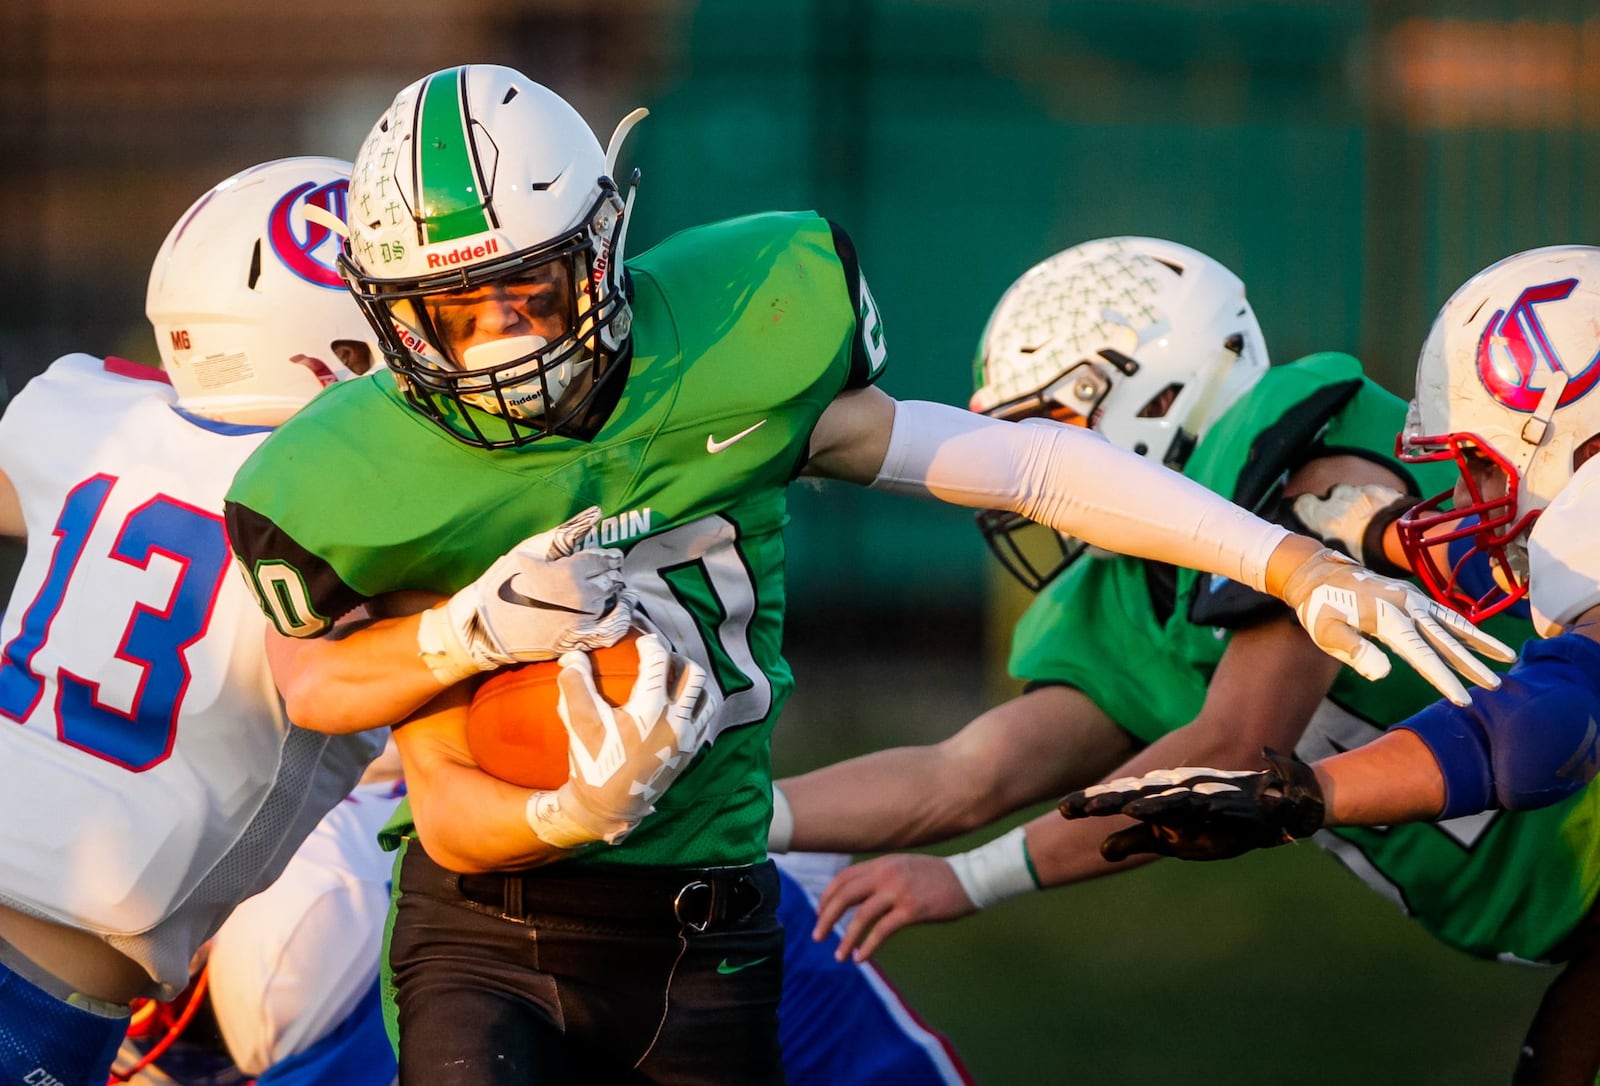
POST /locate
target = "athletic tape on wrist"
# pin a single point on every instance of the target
(996, 871)
(554, 826)
(780, 834)
(441, 648)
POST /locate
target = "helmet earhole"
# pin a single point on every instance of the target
(1141, 448)
(255, 266)
(1158, 405)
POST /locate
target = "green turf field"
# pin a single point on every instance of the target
(1276, 968)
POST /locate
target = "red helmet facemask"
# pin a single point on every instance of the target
(1428, 530)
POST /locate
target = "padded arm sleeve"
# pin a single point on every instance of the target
(1530, 743)
(1070, 479)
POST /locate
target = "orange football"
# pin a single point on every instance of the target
(513, 730)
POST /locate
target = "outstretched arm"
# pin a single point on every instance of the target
(1264, 691)
(1028, 749)
(1531, 743)
(1073, 481)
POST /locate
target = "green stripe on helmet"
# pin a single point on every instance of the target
(447, 182)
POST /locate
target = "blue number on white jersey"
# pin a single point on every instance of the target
(153, 640)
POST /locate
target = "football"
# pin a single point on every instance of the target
(513, 729)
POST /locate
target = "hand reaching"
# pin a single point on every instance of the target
(1338, 602)
(1205, 814)
(888, 893)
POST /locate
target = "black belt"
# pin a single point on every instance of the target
(655, 897)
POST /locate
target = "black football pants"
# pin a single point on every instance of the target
(666, 976)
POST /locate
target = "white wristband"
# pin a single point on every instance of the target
(441, 649)
(996, 871)
(781, 832)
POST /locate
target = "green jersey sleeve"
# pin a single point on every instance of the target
(1094, 628)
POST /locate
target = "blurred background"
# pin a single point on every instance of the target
(1352, 161)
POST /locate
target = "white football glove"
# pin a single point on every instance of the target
(1338, 601)
(1345, 515)
(545, 596)
(624, 758)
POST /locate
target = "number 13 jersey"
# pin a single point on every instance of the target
(151, 781)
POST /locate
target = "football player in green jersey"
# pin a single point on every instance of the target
(1132, 666)
(535, 375)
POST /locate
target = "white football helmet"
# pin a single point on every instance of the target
(1504, 382)
(480, 194)
(1147, 341)
(250, 314)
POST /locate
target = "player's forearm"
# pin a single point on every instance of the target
(1020, 752)
(1527, 744)
(884, 800)
(1065, 852)
(1392, 779)
(364, 675)
(1072, 480)
(471, 822)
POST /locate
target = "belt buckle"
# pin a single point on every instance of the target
(683, 905)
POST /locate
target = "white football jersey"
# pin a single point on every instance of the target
(148, 778)
(293, 963)
(1564, 553)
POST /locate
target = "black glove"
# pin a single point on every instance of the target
(1206, 814)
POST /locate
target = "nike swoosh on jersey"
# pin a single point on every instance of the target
(715, 446)
(511, 595)
(724, 968)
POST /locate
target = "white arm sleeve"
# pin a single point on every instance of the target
(1071, 479)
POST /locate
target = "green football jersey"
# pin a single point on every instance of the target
(743, 333)
(1136, 638)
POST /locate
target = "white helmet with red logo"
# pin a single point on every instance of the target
(251, 316)
(478, 181)
(1506, 379)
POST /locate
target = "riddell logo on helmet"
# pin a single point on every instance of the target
(463, 254)
(602, 263)
(411, 340)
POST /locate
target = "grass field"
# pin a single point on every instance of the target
(1275, 968)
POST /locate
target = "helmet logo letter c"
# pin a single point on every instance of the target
(1514, 348)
